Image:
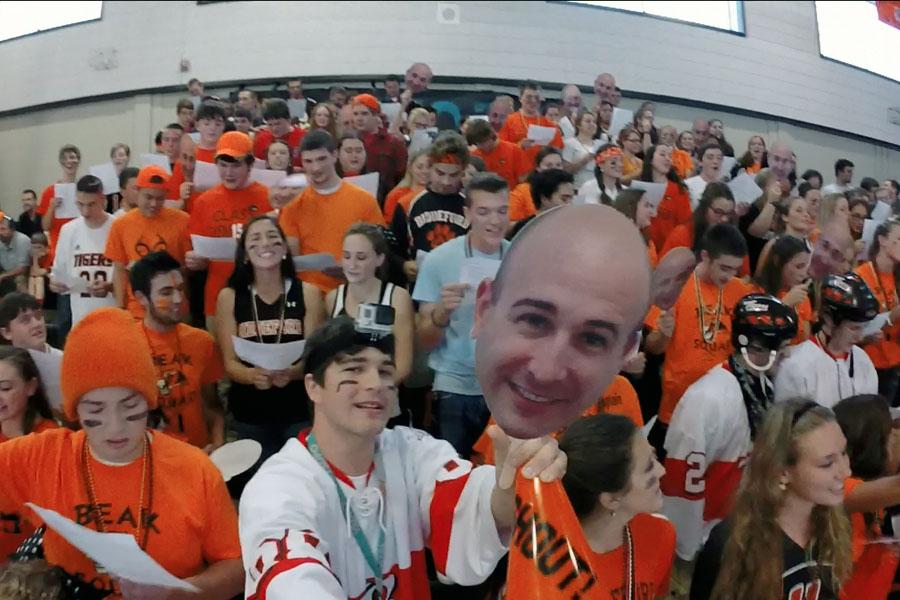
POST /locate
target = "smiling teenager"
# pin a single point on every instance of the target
(115, 475)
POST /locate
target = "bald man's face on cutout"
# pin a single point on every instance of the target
(670, 275)
(553, 331)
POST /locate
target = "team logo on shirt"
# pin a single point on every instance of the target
(142, 248)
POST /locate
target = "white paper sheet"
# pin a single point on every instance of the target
(49, 366)
(206, 176)
(160, 160)
(368, 182)
(876, 324)
(314, 262)
(195, 136)
(541, 135)
(76, 285)
(566, 127)
(868, 234)
(259, 163)
(728, 163)
(297, 180)
(745, 189)
(267, 177)
(654, 192)
(620, 118)
(420, 259)
(118, 553)
(479, 118)
(67, 208)
(214, 248)
(107, 174)
(235, 458)
(473, 271)
(881, 212)
(176, 204)
(391, 110)
(422, 138)
(273, 357)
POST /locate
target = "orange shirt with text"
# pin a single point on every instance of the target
(320, 221)
(521, 205)
(507, 160)
(220, 212)
(15, 528)
(515, 129)
(187, 359)
(886, 353)
(134, 236)
(191, 522)
(688, 356)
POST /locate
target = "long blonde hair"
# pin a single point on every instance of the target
(407, 180)
(753, 563)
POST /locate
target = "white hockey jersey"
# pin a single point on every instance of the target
(707, 444)
(296, 542)
(810, 372)
(80, 256)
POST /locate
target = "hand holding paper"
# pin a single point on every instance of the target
(214, 248)
(66, 208)
(654, 192)
(107, 174)
(745, 189)
(206, 176)
(541, 135)
(272, 357)
(160, 160)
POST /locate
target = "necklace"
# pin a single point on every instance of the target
(889, 299)
(283, 298)
(708, 331)
(162, 384)
(142, 533)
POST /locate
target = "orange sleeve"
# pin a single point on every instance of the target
(523, 165)
(199, 219)
(115, 248)
(220, 539)
(46, 197)
(214, 370)
(173, 187)
(521, 206)
(557, 139)
(375, 215)
(287, 219)
(25, 455)
(652, 316)
(507, 132)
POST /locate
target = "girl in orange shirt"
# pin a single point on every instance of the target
(23, 409)
(418, 171)
(754, 160)
(633, 204)
(873, 486)
(630, 141)
(675, 207)
(785, 276)
(612, 481)
(880, 274)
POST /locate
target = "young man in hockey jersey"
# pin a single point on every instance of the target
(830, 366)
(714, 423)
(346, 510)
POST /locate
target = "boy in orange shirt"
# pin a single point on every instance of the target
(501, 157)
(515, 128)
(224, 210)
(210, 120)
(318, 218)
(186, 358)
(117, 476)
(150, 227)
(521, 204)
(695, 334)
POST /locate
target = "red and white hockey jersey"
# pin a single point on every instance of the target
(296, 542)
(811, 372)
(707, 444)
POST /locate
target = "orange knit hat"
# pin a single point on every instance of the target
(369, 101)
(106, 349)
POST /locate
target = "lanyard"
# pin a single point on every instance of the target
(470, 253)
(373, 559)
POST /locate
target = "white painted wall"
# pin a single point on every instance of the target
(775, 69)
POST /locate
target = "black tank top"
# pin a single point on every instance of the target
(386, 295)
(276, 405)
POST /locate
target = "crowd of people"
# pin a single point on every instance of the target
(720, 374)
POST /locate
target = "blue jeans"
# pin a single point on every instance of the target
(461, 420)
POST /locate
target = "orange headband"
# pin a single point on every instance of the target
(607, 154)
(447, 159)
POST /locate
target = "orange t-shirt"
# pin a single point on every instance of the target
(220, 212)
(515, 129)
(683, 163)
(14, 527)
(683, 237)
(320, 222)
(753, 169)
(56, 224)
(674, 210)
(399, 196)
(874, 565)
(507, 160)
(688, 356)
(653, 538)
(133, 236)
(191, 522)
(631, 165)
(620, 398)
(173, 188)
(186, 358)
(651, 254)
(521, 205)
(886, 353)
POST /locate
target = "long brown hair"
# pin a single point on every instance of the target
(38, 406)
(753, 560)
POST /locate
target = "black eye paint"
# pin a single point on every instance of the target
(138, 417)
(348, 382)
(91, 423)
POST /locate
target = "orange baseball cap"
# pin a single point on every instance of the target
(235, 144)
(153, 177)
(369, 101)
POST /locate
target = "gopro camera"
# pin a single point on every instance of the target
(375, 320)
